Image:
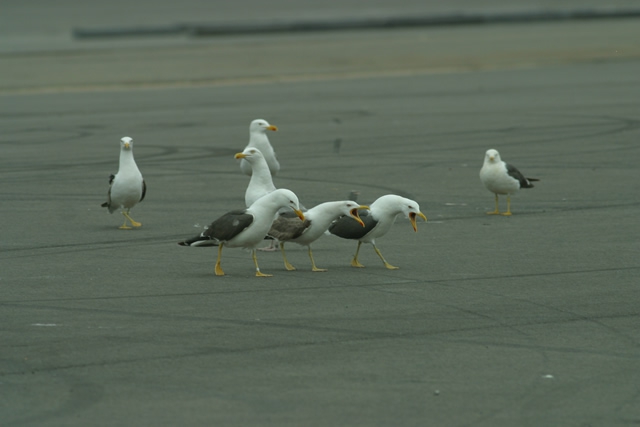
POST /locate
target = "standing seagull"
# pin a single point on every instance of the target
(126, 188)
(502, 178)
(261, 182)
(246, 227)
(258, 139)
(378, 222)
(317, 221)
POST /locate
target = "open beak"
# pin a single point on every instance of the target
(272, 127)
(412, 218)
(299, 213)
(240, 156)
(354, 214)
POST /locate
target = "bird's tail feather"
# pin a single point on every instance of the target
(199, 240)
(529, 182)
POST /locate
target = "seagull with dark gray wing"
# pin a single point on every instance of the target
(502, 178)
(246, 228)
(377, 222)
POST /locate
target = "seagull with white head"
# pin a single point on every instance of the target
(287, 228)
(258, 139)
(127, 187)
(246, 228)
(378, 221)
(261, 182)
(502, 178)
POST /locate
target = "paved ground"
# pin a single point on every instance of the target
(528, 320)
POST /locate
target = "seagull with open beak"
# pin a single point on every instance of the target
(287, 228)
(378, 221)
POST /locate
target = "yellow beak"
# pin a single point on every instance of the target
(354, 214)
(412, 219)
(272, 127)
(299, 213)
(240, 156)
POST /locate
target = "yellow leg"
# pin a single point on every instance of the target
(287, 265)
(255, 261)
(313, 263)
(124, 226)
(386, 264)
(497, 211)
(134, 223)
(218, 270)
(354, 261)
(508, 212)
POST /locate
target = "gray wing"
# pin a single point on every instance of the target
(516, 174)
(222, 229)
(229, 225)
(288, 227)
(348, 228)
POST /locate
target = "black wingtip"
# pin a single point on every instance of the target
(105, 205)
(529, 182)
(199, 241)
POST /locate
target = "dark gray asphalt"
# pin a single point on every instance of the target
(491, 321)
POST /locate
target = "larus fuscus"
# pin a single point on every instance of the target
(502, 178)
(127, 187)
(258, 139)
(261, 182)
(378, 221)
(246, 228)
(317, 220)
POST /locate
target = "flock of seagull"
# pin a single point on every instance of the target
(275, 214)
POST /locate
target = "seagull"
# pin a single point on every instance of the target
(378, 222)
(317, 220)
(127, 187)
(246, 228)
(261, 182)
(502, 178)
(258, 139)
